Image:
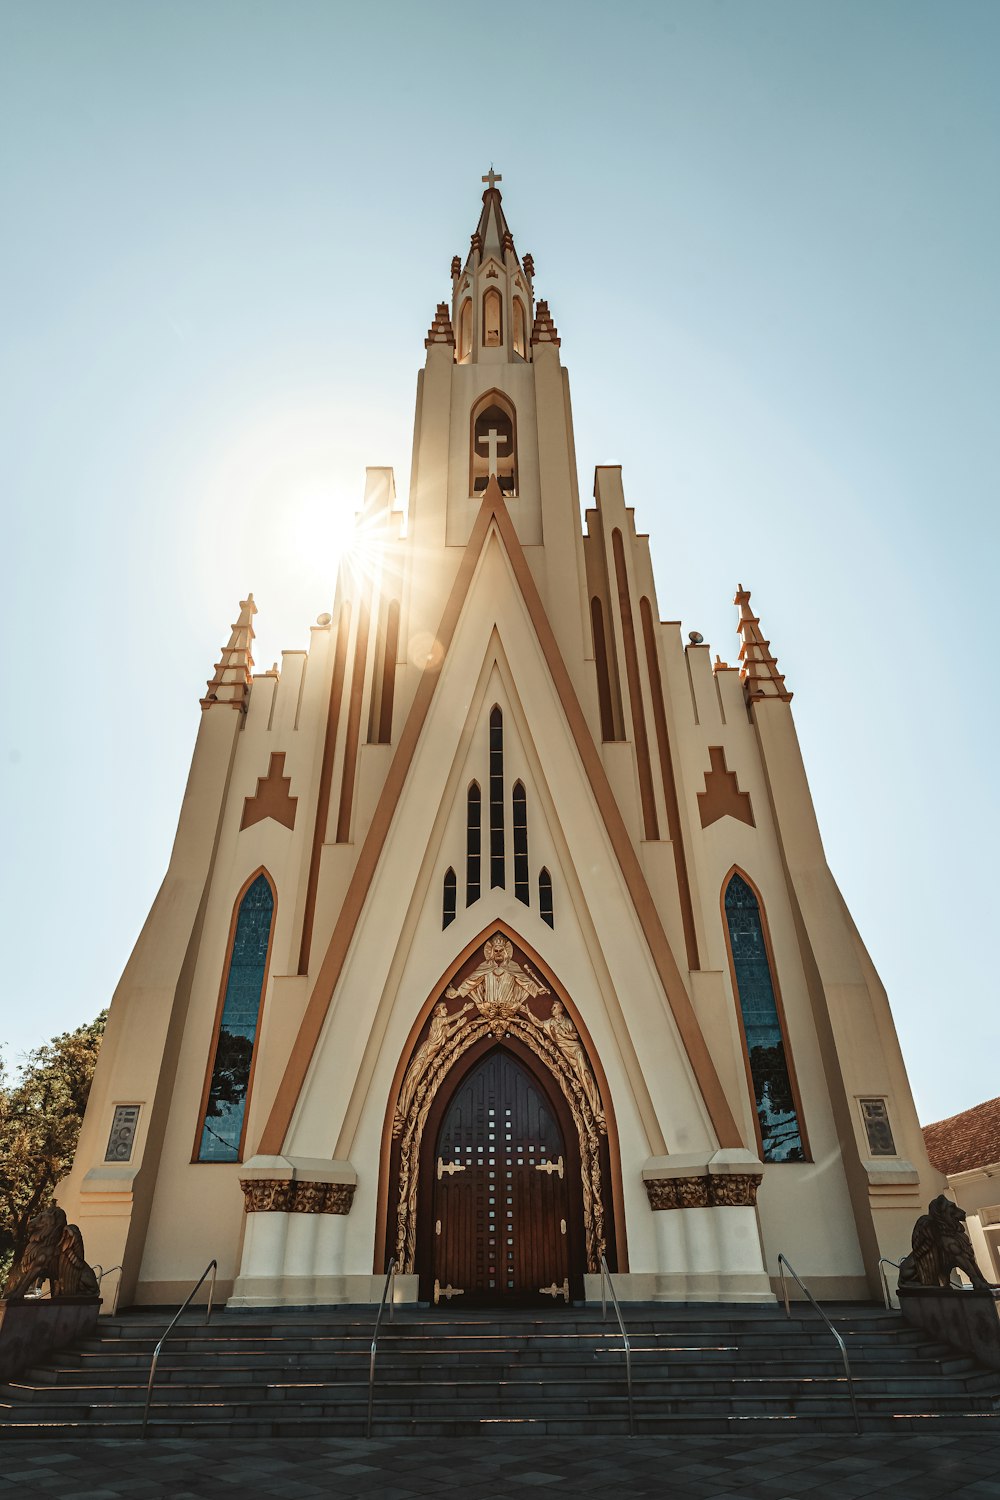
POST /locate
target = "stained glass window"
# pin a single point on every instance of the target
(474, 843)
(227, 1095)
(520, 828)
(449, 899)
(780, 1132)
(497, 873)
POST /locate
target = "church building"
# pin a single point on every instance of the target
(497, 937)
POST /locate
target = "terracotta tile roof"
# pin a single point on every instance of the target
(965, 1141)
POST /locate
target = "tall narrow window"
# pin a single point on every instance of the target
(473, 843)
(603, 675)
(390, 647)
(449, 899)
(492, 319)
(497, 873)
(465, 332)
(520, 826)
(781, 1136)
(494, 444)
(224, 1115)
(520, 340)
(545, 897)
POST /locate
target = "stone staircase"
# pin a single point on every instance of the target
(696, 1369)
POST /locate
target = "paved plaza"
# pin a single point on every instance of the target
(905, 1467)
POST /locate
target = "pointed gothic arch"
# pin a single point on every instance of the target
(231, 1065)
(426, 1065)
(767, 1057)
(493, 430)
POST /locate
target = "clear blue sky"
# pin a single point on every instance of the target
(769, 236)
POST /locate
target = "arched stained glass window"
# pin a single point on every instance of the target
(229, 1085)
(520, 827)
(545, 897)
(497, 871)
(781, 1137)
(450, 898)
(473, 843)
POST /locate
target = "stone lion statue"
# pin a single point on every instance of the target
(941, 1244)
(54, 1253)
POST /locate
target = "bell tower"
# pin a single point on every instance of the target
(493, 398)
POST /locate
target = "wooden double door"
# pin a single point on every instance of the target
(503, 1193)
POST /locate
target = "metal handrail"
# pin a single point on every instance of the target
(212, 1266)
(388, 1291)
(783, 1265)
(100, 1273)
(883, 1261)
(605, 1283)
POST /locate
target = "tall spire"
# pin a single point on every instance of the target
(492, 234)
(759, 667)
(230, 684)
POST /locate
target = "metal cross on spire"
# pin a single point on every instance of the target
(492, 178)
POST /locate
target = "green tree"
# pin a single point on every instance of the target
(41, 1111)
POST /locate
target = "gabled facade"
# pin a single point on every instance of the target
(497, 935)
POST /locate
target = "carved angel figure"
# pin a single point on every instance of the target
(499, 986)
(442, 1028)
(560, 1029)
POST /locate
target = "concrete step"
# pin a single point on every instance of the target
(297, 1373)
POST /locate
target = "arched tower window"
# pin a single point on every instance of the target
(473, 843)
(775, 1097)
(494, 444)
(520, 829)
(227, 1088)
(449, 899)
(492, 319)
(497, 871)
(520, 335)
(465, 332)
(545, 897)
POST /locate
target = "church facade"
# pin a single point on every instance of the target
(497, 939)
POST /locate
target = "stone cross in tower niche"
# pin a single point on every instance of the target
(491, 440)
(492, 178)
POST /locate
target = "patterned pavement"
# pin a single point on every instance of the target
(904, 1467)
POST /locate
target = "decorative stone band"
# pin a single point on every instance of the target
(734, 1190)
(281, 1196)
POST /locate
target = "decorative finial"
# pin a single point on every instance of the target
(758, 666)
(492, 178)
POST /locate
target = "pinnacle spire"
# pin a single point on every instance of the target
(492, 234)
(758, 666)
(230, 683)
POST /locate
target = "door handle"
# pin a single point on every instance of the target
(451, 1167)
(550, 1166)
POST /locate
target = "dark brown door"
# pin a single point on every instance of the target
(501, 1197)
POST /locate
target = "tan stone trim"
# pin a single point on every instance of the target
(260, 870)
(677, 998)
(779, 1006)
(285, 1099)
(650, 825)
(353, 735)
(733, 1190)
(722, 796)
(325, 781)
(278, 1195)
(272, 798)
(669, 783)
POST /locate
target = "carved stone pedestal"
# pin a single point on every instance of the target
(32, 1327)
(293, 1249)
(708, 1240)
(968, 1320)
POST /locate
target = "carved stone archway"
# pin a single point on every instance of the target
(497, 994)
